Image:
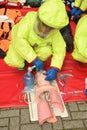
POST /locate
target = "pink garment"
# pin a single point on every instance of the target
(47, 97)
(45, 113)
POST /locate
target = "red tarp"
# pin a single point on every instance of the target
(11, 82)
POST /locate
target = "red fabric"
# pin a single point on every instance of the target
(3, 2)
(25, 10)
(76, 84)
(11, 83)
(11, 86)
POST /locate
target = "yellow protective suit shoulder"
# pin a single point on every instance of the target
(77, 3)
(53, 13)
(82, 4)
(80, 41)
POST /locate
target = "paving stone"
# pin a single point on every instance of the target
(3, 128)
(58, 125)
(79, 115)
(31, 127)
(14, 127)
(85, 122)
(25, 116)
(9, 113)
(14, 121)
(82, 107)
(73, 124)
(73, 106)
(4, 122)
(19, 119)
(47, 126)
(76, 129)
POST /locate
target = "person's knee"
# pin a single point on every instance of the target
(68, 37)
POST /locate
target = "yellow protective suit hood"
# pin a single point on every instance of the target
(80, 41)
(53, 14)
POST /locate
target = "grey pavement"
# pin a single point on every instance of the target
(17, 118)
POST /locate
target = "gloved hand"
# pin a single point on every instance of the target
(39, 64)
(51, 74)
(77, 14)
(73, 11)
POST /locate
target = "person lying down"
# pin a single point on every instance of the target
(47, 97)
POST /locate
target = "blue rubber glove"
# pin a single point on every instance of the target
(77, 14)
(39, 65)
(51, 74)
(86, 92)
(73, 11)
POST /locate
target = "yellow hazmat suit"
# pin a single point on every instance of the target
(27, 45)
(80, 41)
(82, 4)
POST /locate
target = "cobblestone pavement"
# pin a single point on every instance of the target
(18, 119)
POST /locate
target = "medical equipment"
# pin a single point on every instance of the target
(29, 80)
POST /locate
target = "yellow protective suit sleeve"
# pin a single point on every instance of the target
(20, 38)
(77, 3)
(59, 50)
